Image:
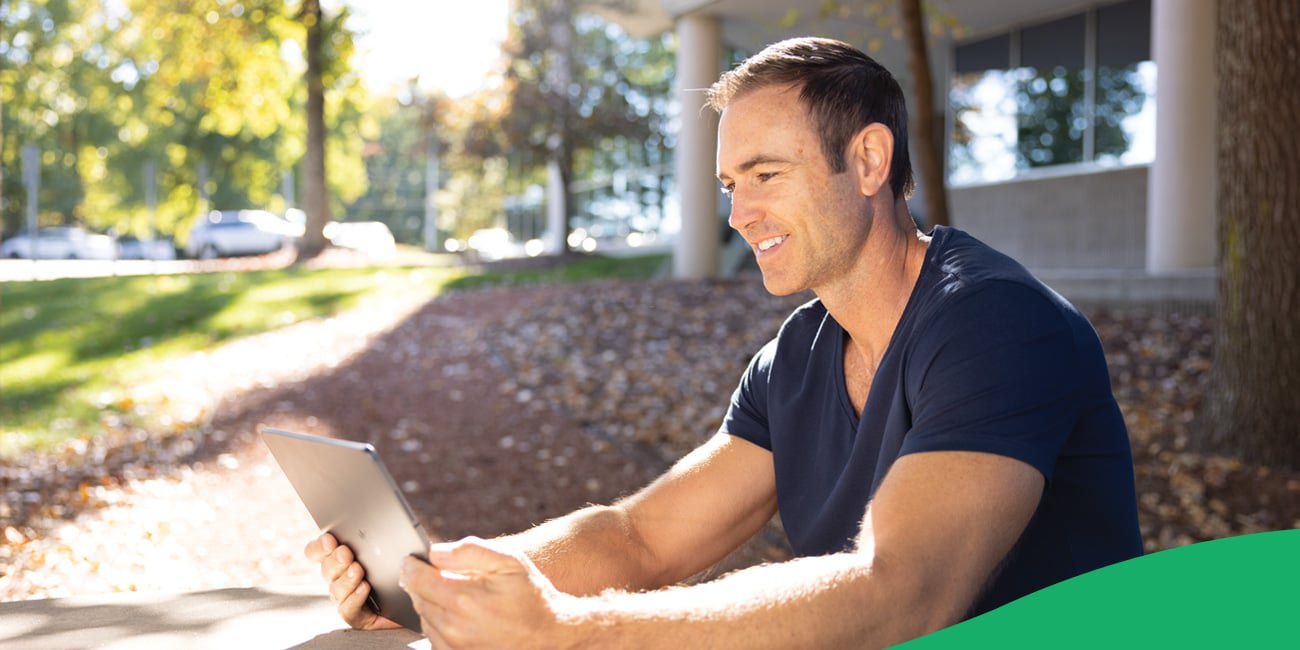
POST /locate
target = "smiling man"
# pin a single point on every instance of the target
(936, 429)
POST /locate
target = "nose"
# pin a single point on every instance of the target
(744, 212)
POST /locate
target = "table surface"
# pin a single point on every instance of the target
(245, 619)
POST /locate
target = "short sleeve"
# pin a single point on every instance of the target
(747, 414)
(996, 371)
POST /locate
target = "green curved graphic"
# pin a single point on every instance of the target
(1239, 592)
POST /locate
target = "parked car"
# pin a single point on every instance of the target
(228, 233)
(61, 243)
(130, 247)
(370, 237)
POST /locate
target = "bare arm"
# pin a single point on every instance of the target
(937, 528)
(707, 505)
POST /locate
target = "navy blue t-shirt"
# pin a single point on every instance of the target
(984, 358)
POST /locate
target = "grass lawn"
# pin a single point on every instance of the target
(65, 342)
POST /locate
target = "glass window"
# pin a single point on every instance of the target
(984, 133)
(1126, 83)
(1053, 107)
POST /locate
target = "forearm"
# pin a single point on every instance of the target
(823, 602)
(588, 551)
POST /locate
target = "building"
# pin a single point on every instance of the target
(1059, 150)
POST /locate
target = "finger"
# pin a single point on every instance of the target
(336, 563)
(352, 604)
(432, 590)
(346, 583)
(318, 548)
(417, 577)
(472, 555)
(354, 610)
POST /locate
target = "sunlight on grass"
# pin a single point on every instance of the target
(63, 342)
(66, 343)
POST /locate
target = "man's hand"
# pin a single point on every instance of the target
(471, 595)
(347, 587)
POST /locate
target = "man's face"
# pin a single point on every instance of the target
(805, 225)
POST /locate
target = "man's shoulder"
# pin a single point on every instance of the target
(963, 267)
(959, 255)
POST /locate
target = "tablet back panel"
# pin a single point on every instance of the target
(350, 494)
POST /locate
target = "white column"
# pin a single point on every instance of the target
(1181, 196)
(557, 210)
(699, 54)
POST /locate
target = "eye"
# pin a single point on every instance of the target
(766, 176)
(727, 189)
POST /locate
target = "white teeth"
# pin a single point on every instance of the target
(768, 243)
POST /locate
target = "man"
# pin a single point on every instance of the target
(936, 430)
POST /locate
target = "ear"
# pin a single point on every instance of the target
(870, 153)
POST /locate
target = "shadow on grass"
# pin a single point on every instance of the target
(102, 325)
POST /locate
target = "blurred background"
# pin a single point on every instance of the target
(367, 219)
(537, 127)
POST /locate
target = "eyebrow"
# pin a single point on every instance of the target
(754, 162)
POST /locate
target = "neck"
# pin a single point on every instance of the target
(869, 301)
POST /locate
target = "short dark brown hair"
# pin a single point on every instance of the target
(843, 89)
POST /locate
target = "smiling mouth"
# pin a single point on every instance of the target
(769, 243)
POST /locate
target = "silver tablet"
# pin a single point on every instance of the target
(351, 495)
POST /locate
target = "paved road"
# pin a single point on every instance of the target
(27, 270)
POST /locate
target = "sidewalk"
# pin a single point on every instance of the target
(27, 270)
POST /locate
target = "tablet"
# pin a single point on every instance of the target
(351, 495)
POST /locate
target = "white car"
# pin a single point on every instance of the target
(229, 233)
(370, 237)
(60, 243)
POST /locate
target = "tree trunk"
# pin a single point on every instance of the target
(928, 148)
(560, 144)
(315, 200)
(1251, 405)
(3, 212)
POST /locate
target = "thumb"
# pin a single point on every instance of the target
(472, 556)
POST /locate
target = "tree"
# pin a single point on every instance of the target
(203, 87)
(44, 90)
(582, 95)
(102, 88)
(315, 193)
(929, 139)
(1251, 397)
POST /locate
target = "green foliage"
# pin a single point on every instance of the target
(494, 144)
(617, 103)
(612, 112)
(102, 88)
(394, 162)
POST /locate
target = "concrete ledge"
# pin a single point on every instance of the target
(1090, 286)
(295, 617)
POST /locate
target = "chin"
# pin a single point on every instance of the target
(776, 287)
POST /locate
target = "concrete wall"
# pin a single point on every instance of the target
(1077, 219)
